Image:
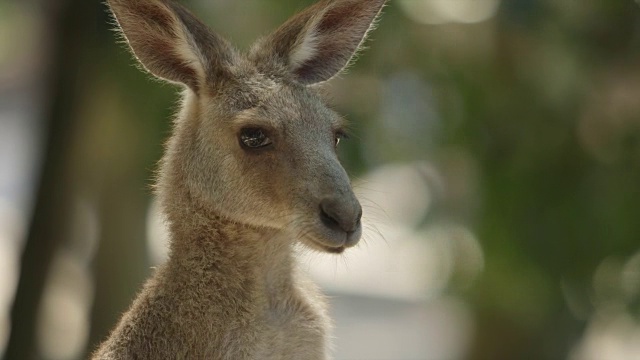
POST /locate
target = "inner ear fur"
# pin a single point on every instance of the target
(170, 42)
(319, 42)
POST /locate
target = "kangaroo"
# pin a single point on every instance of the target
(249, 172)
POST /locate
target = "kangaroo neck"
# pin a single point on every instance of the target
(208, 249)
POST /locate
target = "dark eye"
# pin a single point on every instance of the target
(254, 138)
(339, 136)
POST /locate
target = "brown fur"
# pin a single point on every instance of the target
(231, 288)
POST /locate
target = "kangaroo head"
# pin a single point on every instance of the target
(254, 142)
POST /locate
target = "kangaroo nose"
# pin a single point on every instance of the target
(341, 215)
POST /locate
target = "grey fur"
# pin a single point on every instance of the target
(230, 288)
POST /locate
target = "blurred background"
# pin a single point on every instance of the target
(496, 149)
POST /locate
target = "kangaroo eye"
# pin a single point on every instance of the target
(339, 136)
(254, 138)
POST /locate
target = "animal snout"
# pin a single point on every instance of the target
(341, 214)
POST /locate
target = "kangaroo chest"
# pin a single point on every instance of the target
(294, 327)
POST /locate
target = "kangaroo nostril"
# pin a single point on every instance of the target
(327, 219)
(339, 216)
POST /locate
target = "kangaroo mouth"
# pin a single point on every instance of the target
(327, 245)
(331, 249)
(327, 240)
(319, 246)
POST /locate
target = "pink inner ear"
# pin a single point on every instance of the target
(170, 65)
(339, 32)
(151, 14)
(329, 58)
(318, 43)
(171, 43)
(336, 19)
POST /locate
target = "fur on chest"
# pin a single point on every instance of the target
(294, 329)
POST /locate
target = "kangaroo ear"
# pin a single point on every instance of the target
(319, 42)
(170, 42)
